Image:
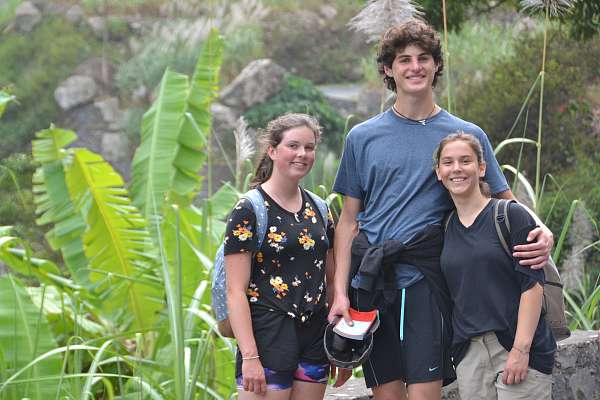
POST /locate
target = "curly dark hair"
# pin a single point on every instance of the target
(413, 32)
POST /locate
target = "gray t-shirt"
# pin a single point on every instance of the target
(388, 164)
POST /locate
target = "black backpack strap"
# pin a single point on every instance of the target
(502, 223)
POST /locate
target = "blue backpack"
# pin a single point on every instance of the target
(219, 295)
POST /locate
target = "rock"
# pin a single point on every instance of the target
(27, 16)
(109, 108)
(140, 94)
(97, 24)
(328, 11)
(74, 91)
(93, 68)
(115, 148)
(75, 14)
(224, 121)
(258, 81)
(369, 101)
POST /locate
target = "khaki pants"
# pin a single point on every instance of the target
(479, 374)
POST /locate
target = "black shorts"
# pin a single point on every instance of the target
(423, 354)
(283, 343)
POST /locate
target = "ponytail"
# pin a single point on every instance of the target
(263, 171)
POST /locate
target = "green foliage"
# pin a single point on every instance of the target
(16, 201)
(33, 65)
(299, 95)
(24, 336)
(301, 38)
(494, 102)
(243, 45)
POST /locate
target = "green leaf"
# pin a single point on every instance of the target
(116, 241)
(24, 335)
(5, 98)
(54, 205)
(191, 155)
(152, 166)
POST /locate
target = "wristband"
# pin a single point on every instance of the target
(250, 358)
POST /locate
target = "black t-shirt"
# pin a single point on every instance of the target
(486, 285)
(288, 272)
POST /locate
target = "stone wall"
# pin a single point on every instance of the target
(576, 373)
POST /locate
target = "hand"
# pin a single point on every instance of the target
(339, 308)
(342, 375)
(515, 370)
(535, 254)
(253, 376)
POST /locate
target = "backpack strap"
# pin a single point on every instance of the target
(502, 223)
(447, 219)
(321, 205)
(260, 211)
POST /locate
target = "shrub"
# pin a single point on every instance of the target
(33, 65)
(298, 95)
(494, 102)
(16, 206)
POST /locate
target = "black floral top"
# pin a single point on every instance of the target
(288, 273)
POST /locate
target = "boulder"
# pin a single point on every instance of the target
(97, 24)
(115, 149)
(75, 14)
(111, 113)
(92, 68)
(74, 91)
(27, 16)
(258, 81)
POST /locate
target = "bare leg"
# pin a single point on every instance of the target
(394, 390)
(270, 395)
(425, 391)
(308, 391)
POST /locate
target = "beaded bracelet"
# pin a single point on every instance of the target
(250, 358)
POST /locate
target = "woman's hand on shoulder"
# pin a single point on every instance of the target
(253, 376)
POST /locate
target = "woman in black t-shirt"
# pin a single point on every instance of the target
(503, 347)
(276, 295)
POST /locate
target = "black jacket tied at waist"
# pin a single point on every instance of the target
(374, 265)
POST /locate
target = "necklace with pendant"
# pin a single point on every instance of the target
(416, 121)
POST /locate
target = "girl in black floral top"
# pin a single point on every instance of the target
(276, 296)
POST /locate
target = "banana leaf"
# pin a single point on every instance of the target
(116, 242)
(5, 98)
(24, 335)
(191, 155)
(53, 203)
(152, 165)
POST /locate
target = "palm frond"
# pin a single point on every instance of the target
(191, 154)
(53, 203)
(152, 165)
(117, 241)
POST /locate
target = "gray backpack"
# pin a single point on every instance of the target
(219, 287)
(553, 306)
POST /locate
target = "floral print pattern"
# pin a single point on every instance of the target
(288, 272)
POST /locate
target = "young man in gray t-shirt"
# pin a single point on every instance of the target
(391, 193)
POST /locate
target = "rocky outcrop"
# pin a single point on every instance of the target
(258, 81)
(75, 91)
(27, 16)
(576, 373)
